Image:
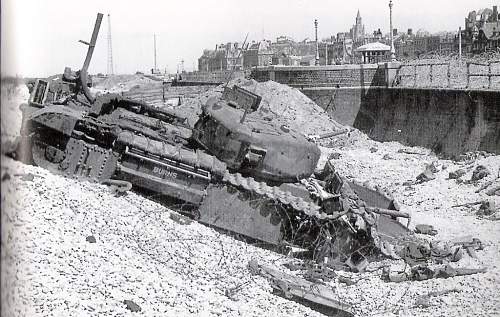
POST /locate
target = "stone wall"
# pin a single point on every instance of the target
(212, 77)
(361, 75)
(449, 121)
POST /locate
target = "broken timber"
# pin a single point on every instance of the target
(294, 286)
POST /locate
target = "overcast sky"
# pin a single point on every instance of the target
(40, 38)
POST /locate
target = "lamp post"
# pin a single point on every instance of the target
(316, 62)
(460, 43)
(393, 52)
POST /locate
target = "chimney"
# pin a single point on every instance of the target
(495, 13)
(410, 32)
(394, 32)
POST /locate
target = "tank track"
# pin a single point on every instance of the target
(275, 193)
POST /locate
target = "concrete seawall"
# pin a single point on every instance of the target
(448, 121)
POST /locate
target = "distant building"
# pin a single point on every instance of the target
(225, 57)
(285, 60)
(409, 46)
(212, 60)
(482, 31)
(305, 48)
(336, 51)
(258, 54)
(234, 56)
(283, 45)
(447, 41)
(308, 60)
(288, 52)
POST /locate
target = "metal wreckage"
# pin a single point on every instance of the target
(233, 169)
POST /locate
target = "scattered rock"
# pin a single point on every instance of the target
(334, 156)
(180, 219)
(406, 151)
(5, 176)
(373, 149)
(485, 186)
(427, 174)
(346, 280)
(480, 172)
(387, 157)
(424, 300)
(133, 307)
(90, 239)
(457, 174)
(118, 187)
(357, 262)
(396, 272)
(487, 208)
(27, 177)
(9, 147)
(471, 156)
(495, 190)
(425, 229)
(433, 167)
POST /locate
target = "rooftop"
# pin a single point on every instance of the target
(377, 46)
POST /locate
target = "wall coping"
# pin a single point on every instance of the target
(339, 88)
(447, 89)
(312, 88)
(323, 67)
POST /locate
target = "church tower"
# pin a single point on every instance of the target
(358, 18)
(358, 30)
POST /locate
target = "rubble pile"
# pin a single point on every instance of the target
(119, 83)
(280, 103)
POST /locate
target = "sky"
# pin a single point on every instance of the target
(40, 38)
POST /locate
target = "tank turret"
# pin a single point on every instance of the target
(252, 145)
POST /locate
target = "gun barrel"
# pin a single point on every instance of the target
(90, 51)
(93, 40)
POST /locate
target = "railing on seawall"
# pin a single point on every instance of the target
(458, 74)
(493, 72)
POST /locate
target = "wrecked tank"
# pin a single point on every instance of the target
(231, 170)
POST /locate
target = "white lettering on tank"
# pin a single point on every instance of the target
(164, 172)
